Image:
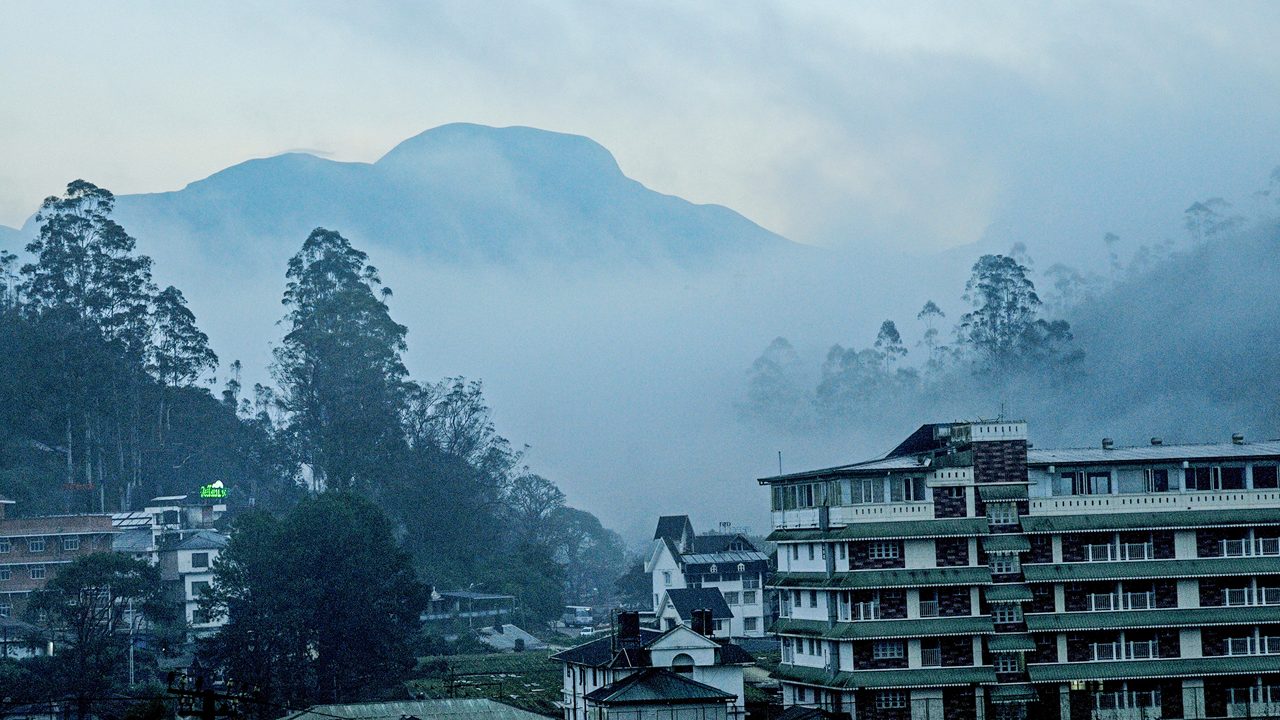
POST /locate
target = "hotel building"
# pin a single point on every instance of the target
(966, 575)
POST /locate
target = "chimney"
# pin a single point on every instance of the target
(1157, 441)
(628, 629)
(1237, 438)
(1108, 443)
(702, 622)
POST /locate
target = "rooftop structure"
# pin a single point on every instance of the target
(966, 576)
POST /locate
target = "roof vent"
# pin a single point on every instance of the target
(1237, 438)
(1157, 441)
(1108, 443)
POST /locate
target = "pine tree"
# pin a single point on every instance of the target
(180, 351)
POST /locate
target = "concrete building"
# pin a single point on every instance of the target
(628, 674)
(967, 576)
(727, 562)
(33, 549)
(186, 567)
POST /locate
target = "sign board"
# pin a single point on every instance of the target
(213, 490)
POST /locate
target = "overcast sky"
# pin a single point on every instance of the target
(836, 124)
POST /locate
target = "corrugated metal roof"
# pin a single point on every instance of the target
(924, 577)
(1149, 453)
(1034, 524)
(1008, 593)
(884, 464)
(1162, 668)
(869, 629)
(902, 678)
(457, 709)
(1169, 617)
(1012, 642)
(1005, 543)
(657, 686)
(946, 527)
(732, 556)
(1151, 569)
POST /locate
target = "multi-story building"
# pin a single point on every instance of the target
(967, 576)
(33, 549)
(186, 567)
(726, 561)
(642, 674)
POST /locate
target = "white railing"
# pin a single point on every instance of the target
(1100, 552)
(929, 608)
(1139, 601)
(1270, 596)
(1137, 551)
(1106, 651)
(1154, 502)
(1103, 602)
(1143, 650)
(1237, 596)
(866, 611)
(930, 657)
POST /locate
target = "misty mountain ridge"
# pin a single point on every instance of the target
(458, 192)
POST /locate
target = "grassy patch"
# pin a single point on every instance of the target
(527, 680)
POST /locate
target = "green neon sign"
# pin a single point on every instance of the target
(213, 490)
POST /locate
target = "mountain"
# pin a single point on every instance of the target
(10, 238)
(459, 192)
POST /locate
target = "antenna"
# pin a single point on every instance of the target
(779, 463)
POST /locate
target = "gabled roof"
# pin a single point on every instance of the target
(674, 528)
(203, 540)
(714, 543)
(657, 686)
(729, 559)
(135, 540)
(600, 652)
(686, 600)
(452, 708)
(879, 466)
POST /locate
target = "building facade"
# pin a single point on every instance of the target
(33, 549)
(597, 673)
(727, 562)
(967, 576)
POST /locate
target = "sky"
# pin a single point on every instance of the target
(914, 127)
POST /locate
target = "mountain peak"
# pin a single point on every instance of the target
(517, 147)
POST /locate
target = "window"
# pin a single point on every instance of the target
(867, 491)
(928, 603)
(198, 588)
(884, 550)
(750, 624)
(1200, 478)
(36, 572)
(1002, 513)
(811, 550)
(1006, 612)
(742, 568)
(1008, 662)
(70, 543)
(795, 552)
(906, 489)
(888, 650)
(731, 598)
(5, 545)
(35, 545)
(719, 626)
(1232, 478)
(813, 598)
(1004, 564)
(955, 492)
(200, 560)
(749, 597)
(1156, 480)
(843, 549)
(682, 663)
(6, 610)
(1264, 477)
(5, 573)
(891, 699)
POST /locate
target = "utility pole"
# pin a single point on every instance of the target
(132, 625)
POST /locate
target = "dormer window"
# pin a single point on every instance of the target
(742, 567)
(714, 569)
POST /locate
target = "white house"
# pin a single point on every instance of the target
(680, 605)
(630, 673)
(727, 562)
(187, 567)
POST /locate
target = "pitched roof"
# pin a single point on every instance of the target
(1153, 453)
(730, 557)
(867, 629)
(877, 466)
(135, 540)
(203, 540)
(600, 652)
(686, 600)
(716, 542)
(945, 527)
(657, 686)
(455, 709)
(921, 577)
(1032, 524)
(1151, 569)
(673, 527)
(1167, 617)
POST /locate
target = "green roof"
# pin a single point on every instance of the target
(1012, 693)
(1013, 642)
(900, 678)
(989, 493)
(947, 527)
(1162, 668)
(1008, 593)
(1142, 569)
(1006, 543)
(1150, 521)
(923, 577)
(1172, 617)
(865, 629)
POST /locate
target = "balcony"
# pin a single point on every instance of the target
(1154, 502)
(930, 657)
(1242, 547)
(803, 518)
(929, 608)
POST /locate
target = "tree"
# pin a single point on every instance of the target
(1208, 219)
(1004, 329)
(889, 342)
(592, 555)
(85, 261)
(180, 351)
(533, 499)
(930, 314)
(774, 389)
(84, 604)
(319, 606)
(339, 367)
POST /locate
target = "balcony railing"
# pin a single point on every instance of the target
(931, 657)
(1154, 502)
(929, 608)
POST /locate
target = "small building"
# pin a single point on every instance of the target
(459, 709)
(727, 562)
(508, 638)
(689, 652)
(679, 605)
(658, 694)
(186, 566)
(463, 608)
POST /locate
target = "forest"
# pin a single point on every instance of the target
(112, 399)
